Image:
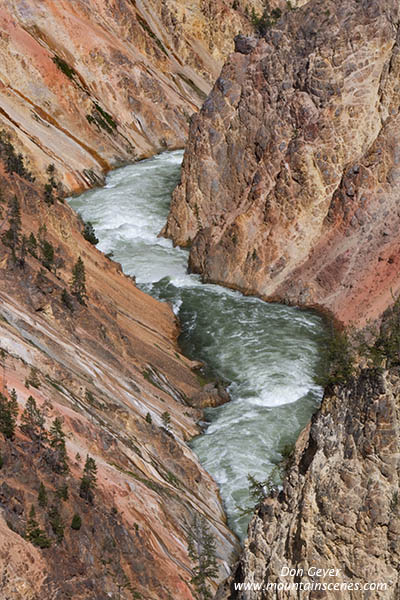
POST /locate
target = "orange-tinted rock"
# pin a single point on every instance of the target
(91, 85)
(290, 176)
(110, 370)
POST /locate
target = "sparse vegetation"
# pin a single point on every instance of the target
(101, 118)
(153, 36)
(78, 281)
(14, 162)
(89, 234)
(34, 533)
(64, 67)
(33, 421)
(57, 442)
(42, 495)
(33, 379)
(76, 522)
(202, 552)
(166, 421)
(8, 414)
(89, 480)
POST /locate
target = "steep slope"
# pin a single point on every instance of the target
(107, 364)
(290, 179)
(90, 85)
(339, 507)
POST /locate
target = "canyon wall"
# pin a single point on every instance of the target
(339, 507)
(290, 178)
(89, 85)
(107, 364)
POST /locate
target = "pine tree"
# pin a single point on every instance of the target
(33, 421)
(32, 245)
(34, 533)
(89, 234)
(76, 522)
(12, 236)
(89, 480)
(8, 414)
(149, 419)
(202, 552)
(62, 492)
(57, 442)
(42, 496)
(56, 523)
(47, 251)
(33, 379)
(166, 420)
(3, 355)
(78, 281)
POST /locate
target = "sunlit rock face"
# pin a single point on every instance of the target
(88, 85)
(289, 185)
(108, 368)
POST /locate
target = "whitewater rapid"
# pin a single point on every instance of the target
(268, 353)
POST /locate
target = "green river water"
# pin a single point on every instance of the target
(268, 353)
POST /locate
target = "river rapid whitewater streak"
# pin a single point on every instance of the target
(268, 353)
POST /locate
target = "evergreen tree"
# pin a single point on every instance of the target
(34, 533)
(202, 552)
(149, 419)
(47, 251)
(89, 480)
(57, 442)
(32, 245)
(8, 414)
(56, 523)
(12, 236)
(33, 421)
(3, 355)
(166, 420)
(76, 522)
(78, 281)
(62, 492)
(67, 300)
(89, 234)
(33, 379)
(42, 496)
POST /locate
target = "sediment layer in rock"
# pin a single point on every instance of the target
(109, 369)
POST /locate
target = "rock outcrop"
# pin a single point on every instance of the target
(91, 85)
(107, 364)
(290, 178)
(339, 507)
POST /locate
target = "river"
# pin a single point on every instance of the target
(268, 353)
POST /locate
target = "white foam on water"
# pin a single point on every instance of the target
(269, 353)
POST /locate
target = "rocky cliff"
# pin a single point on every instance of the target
(290, 179)
(100, 356)
(91, 85)
(339, 508)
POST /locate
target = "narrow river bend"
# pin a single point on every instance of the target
(269, 353)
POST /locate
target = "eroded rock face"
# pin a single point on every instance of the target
(339, 507)
(289, 182)
(108, 369)
(89, 85)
